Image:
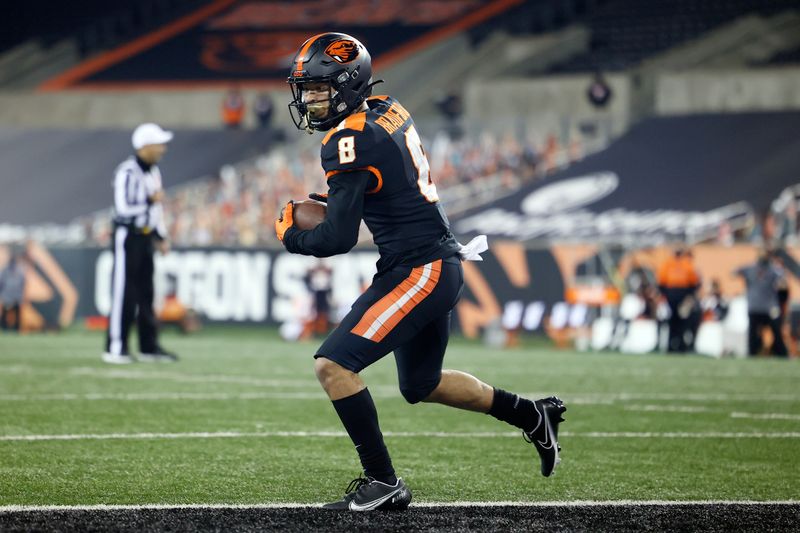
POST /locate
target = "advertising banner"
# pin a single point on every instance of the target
(514, 287)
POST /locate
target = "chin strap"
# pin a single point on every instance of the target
(373, 84)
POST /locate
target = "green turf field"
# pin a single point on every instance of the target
(241, 419)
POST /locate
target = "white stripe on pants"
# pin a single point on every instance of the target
(118, 292)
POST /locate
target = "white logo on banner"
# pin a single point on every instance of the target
(570, 194)
(559, 211)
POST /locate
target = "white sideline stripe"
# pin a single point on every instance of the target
(292, 505)
(396, 434)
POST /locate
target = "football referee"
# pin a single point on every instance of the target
(138, 229)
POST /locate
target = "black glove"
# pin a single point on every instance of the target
(319, 196)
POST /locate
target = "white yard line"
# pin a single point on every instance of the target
(382, 391)
(767, 416)
(669, 408)
(292, 505)
(118, 373)
(577, 397)
(150, 396)
(397, 434)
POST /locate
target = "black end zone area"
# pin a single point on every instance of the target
(710, 517)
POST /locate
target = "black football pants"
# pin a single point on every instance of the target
(132, 292)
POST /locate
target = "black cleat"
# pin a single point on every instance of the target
(158, 355)
(367, 494)
(545, 436)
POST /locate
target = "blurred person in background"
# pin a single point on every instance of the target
(642, 282)
(678, 282)
(263, 110)
(319, 280)
(233, 107)
(451, 108)
(138, 229)
(377, 171)
(765, 280)
(12, 289)
(714, 304)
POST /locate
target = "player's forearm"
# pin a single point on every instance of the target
(323, 241)
(338, 233)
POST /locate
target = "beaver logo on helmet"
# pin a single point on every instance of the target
(342, 63)
(342, 51)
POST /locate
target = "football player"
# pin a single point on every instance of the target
(377, 171)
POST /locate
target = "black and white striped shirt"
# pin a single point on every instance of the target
(134, 183)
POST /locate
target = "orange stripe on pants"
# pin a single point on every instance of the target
(386, 313)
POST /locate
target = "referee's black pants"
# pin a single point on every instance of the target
(132, 292)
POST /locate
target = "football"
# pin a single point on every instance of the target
(308, 214)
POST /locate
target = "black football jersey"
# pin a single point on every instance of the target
(401, 207)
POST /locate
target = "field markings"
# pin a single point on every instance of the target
(399, 434)
(670, 408)
(579, 397)
(767, 416)
(293, 505)
(390, 391)
(150, 396)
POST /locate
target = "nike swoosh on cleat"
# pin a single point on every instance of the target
(373, 504)
(546, 440)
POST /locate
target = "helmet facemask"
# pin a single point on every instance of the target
(316, 116)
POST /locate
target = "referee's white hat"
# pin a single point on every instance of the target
(150, 133)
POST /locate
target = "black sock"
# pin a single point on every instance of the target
(515, 410)
(360, 419)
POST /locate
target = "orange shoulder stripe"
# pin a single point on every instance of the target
(353, 122)
(328, 136)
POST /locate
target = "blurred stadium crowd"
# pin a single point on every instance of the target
(238, 207)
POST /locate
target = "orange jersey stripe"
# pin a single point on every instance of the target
(370, 168)
(381, 318)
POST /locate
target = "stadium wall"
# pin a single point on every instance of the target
(548, 104)
(730, 91)
(127, 109)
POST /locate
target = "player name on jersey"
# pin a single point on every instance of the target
(394, 118)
